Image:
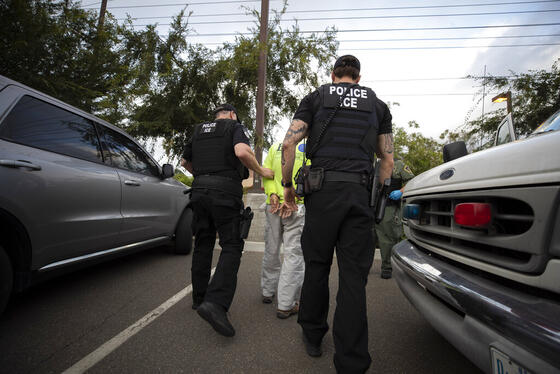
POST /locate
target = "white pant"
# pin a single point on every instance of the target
(283, 280)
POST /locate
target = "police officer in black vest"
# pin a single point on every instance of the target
(346, 124)
(218, 156)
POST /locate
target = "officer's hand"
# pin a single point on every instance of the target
(290, 198)
(285, 212)
(274, 203)
(395, 195)
(267, 173)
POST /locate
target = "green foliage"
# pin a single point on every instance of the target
(155, 87)
(535, 96)
(420, 153)
(58, 50)
(183, 178)
(190, 80)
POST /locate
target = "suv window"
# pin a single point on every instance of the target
(125, 154)
(38, 124)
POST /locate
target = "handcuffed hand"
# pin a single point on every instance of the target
(285, 212)
(274, 203)
(395, 195)
(290, 198)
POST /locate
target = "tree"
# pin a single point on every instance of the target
(49, 45)
(535, 94)
(420, 153)
(151, 86)
(190, 80)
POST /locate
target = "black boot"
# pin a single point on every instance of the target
(313, 350)
(216, 316)
(386, 273)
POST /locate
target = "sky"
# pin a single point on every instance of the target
(422, 79)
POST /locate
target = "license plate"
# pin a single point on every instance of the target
(502, 364)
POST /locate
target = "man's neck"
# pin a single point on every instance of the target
(344, 80)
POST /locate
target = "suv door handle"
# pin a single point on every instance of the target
(19, 164)
(131, 183)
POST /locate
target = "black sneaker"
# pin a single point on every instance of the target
(267, 299)
(312, 349)
(195, 305)
(216, 316)
(386, 273)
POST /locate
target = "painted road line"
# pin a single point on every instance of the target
(104, 350)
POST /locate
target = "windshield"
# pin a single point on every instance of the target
(551, 124)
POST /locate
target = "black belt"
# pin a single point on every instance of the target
(216, 182)
(342, 176)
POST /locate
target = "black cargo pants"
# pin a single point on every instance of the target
(338, 216)
(215, 211)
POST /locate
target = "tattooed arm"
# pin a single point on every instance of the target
(385, 153)
(296, 132)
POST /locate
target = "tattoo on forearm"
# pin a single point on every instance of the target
(389, 144)
(283, 157)
(296, 132)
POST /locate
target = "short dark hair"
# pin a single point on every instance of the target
(225, 108)
(347, 66)
(346, 71)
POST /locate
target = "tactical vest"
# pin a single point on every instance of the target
(352, 133)
(212, 150)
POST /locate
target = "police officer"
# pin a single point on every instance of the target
(389, 230)
(218, 156)
(346, 124)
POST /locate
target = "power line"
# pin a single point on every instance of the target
(343, 10)
(96, 3)
(371, 17)
(449, 47)
(433, 94)
(449, 38)
(426, 6)
(391, 29)
(432, 39)
(433, 79)
(183, 4)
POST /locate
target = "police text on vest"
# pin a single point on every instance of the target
(351, 100)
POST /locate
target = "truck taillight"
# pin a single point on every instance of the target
(476, 215)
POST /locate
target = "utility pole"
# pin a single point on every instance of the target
(261, 91)
(102, 15)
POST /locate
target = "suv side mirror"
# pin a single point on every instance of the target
(454, 150)
(166, 171)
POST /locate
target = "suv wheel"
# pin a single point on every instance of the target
(6, 279)
(183, 233)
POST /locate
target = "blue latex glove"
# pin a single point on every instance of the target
(395, 195)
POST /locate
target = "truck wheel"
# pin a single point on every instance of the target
(6, 279)
(183, 233)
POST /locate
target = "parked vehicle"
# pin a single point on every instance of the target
(482, 258)
(74, 189)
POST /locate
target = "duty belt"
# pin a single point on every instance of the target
(342, 176)
(216, 182)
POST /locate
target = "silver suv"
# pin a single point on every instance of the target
(74, 188)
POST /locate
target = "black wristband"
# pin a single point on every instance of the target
(287, 184)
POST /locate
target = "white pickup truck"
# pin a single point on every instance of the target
(481, 261)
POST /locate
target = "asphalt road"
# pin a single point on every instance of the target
(55, 324)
